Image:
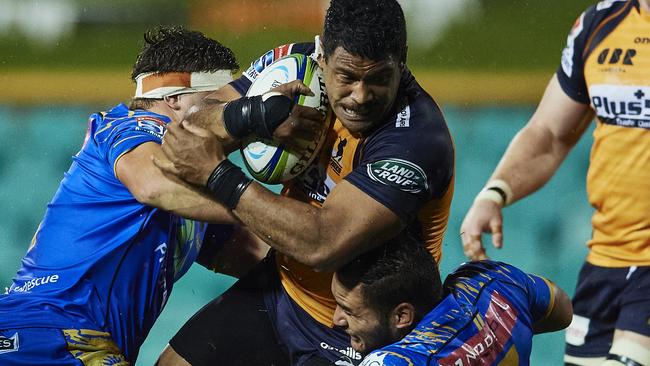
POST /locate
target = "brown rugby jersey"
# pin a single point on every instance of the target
(406, 163)
(606, 63)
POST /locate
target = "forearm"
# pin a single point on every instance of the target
(530, 161)
(299, 233)
(152, 187)
(322, 238)
(177, 198)
(540, 147)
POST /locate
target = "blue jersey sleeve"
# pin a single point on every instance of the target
(409, 161)
(541, 297)
(591, 27)
(386, 357)
(243, 83)
(115, 137)
(531, 294)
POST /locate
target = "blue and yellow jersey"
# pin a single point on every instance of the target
(606, 63)
(485, 318)
(406, 164)
(100, 260)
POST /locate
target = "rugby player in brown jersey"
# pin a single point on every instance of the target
(334, 212)
(604, 72)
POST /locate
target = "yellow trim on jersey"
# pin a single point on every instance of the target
(551, 305)
(93, 348)
(511, 358)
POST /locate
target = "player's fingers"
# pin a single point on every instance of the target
(497, 233)
(298, 87)
(480, 255)
(472, 246)
(164, 165)
(195, 129)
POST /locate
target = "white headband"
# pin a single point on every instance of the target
(160, 85)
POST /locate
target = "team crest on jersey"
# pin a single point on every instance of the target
(150, 125)
(374, 359)
(400, 174)
(337, 155)
(9, 344)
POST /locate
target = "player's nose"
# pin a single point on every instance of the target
(339, 318)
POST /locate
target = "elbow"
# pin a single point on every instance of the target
(147, 195)
(318, 262)
(326, 260)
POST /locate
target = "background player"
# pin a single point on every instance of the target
(339, 208)
(485, 313)
(113, 240)
(604, 71)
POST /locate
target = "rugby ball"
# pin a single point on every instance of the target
(268, 161)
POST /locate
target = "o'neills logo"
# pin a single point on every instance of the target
(399, 173)
(348, 351)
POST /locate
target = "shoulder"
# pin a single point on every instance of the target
(415, 136)
(594, 24)
(120, 120)
(416, 118)
(394, 356)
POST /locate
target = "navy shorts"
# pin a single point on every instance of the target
(56, 347)
(607, 299)
(255, 322)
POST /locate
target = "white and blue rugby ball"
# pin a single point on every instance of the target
(270, 162)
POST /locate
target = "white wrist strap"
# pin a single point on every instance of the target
(497, 191)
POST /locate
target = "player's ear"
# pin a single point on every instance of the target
(319, 52)
(403, 316)
(173, 102)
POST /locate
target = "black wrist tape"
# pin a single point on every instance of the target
(501, 193)
(227, 183)
(257, 114)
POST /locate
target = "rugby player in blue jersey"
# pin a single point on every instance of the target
(387, 128)
(118, 233)
(390, 300)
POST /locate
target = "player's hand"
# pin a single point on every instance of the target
(203, 116)
(192, 153)
(483, 217)
(303, 122)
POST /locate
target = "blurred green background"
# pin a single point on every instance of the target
(486, 61)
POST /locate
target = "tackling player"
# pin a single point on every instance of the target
(386, 166)
(118, 233)
(485, 313)
(604, 71)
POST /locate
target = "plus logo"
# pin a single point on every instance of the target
(639, 94)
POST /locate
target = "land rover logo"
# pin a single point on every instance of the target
(398, 173)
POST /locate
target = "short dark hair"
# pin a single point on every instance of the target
(373, 29)
(175, 49)
(401, 270)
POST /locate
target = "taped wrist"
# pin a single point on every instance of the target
(227, 183)
(260, 114)
(498, 191)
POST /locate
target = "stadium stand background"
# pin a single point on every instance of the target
(485, 61)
